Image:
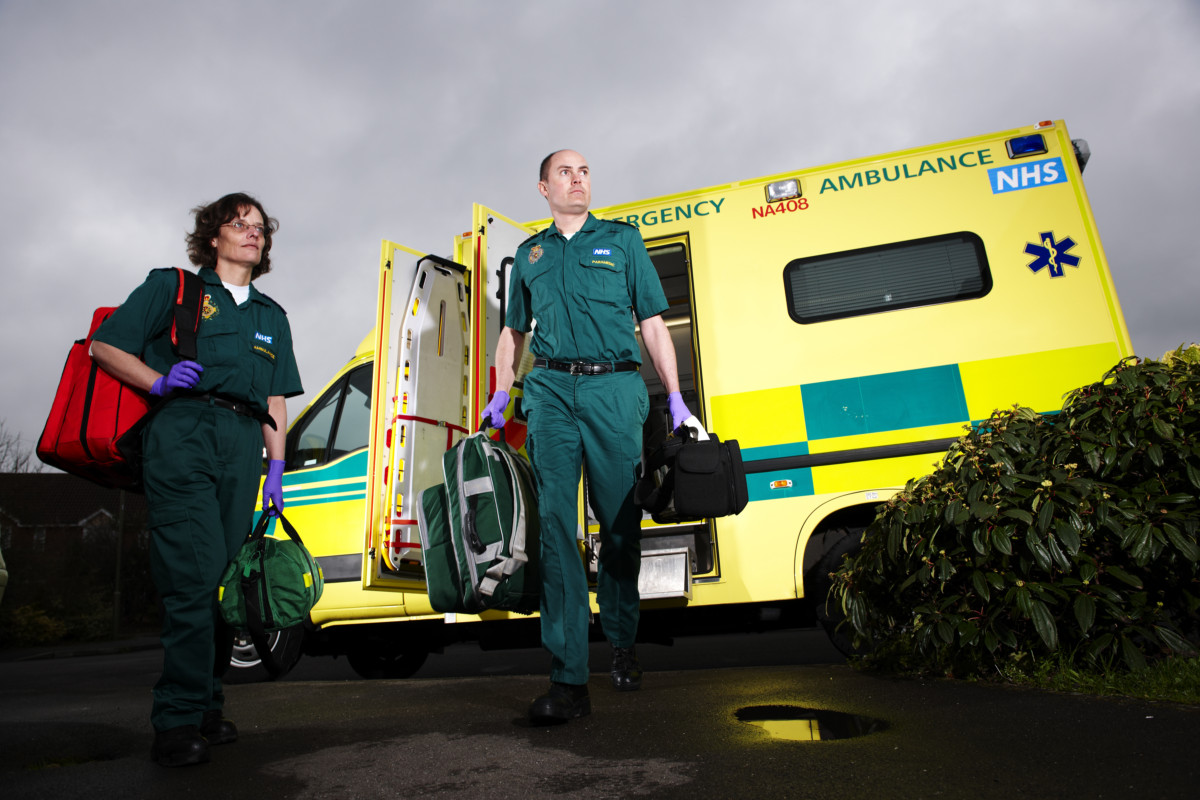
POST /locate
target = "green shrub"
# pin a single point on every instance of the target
(1072, 533)
(26, 625)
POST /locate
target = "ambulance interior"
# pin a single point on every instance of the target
(671, 260)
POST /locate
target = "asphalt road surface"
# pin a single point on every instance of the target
(762, 715)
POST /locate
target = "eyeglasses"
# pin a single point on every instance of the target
(242, 227)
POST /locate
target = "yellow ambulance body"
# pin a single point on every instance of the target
(842, 323)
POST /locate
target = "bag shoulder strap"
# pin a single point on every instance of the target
(189, 297)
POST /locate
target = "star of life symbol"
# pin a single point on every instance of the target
(1052, 254)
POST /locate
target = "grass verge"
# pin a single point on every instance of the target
(1176, 680)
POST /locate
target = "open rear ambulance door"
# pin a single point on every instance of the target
(420, 398)
(494, 242)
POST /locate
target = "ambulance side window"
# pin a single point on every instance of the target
(335, 425)
(354, 422)
(920, 272)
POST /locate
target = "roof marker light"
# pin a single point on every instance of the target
(783, 190)
(1023, 146)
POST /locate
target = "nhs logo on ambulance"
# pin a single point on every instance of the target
(1027, 175)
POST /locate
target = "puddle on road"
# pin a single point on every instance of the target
(800, 724)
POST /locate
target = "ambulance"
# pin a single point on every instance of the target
(843, 323)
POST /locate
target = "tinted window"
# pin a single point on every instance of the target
(354, 423)
(337, 424)
(920, 272)
(308, 440)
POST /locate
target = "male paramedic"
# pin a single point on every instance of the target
(203, 450)
(578, 285)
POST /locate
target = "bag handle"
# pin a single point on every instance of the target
(264, 523)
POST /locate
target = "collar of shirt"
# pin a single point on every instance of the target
(589, 224)
(210, 277)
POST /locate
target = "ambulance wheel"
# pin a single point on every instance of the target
(375, 664)
(846, 542)
(245, 665)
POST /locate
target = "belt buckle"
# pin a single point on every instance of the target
(587, 368)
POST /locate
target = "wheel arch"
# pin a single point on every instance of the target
(827, 524)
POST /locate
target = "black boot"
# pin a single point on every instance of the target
(564, 701)
(626, 670)
(216, 729)
(179, 747)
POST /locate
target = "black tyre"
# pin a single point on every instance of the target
(376, 664)
(245, 665)
(842, 542)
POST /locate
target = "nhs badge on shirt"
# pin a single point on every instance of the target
(263, 345)
(602, 251)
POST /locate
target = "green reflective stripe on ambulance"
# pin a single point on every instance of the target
(782, 482)
(344, 479)
(890, 401)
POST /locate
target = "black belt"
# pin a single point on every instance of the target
(241, 409)
(586, 367)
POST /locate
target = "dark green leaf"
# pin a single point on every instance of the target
(1193, 475)
(1056, 553)
(1102, 643)
(1044, 623)
(1173, 640)
(1018, 514)
(1045, 516)
(979, 540)
(981, 585)
(1123, 576)
(1132, 656)
(1163, 429)
(944, 569)
(983, 511)
(1187, 547)
(1069, 536)
(1155, 453)
(1085, 611)
(1024, 601)
(1038, 550)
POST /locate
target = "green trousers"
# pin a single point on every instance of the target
(591, 422)
(201, 472)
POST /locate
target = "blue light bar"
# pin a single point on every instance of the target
(1022, 146)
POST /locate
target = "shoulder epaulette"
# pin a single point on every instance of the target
(531, 238)
(273, 302)
(622, 222)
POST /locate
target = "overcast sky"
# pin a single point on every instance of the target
(359, 121)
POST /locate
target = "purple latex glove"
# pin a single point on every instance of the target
(183, 375)
(273, 487)
(493, 415)
(679, 410)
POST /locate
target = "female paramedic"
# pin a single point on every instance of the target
(203, 450)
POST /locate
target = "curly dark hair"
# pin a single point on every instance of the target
(211, 217)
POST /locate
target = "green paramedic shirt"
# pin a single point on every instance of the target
(579, 295)
(246, 350)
